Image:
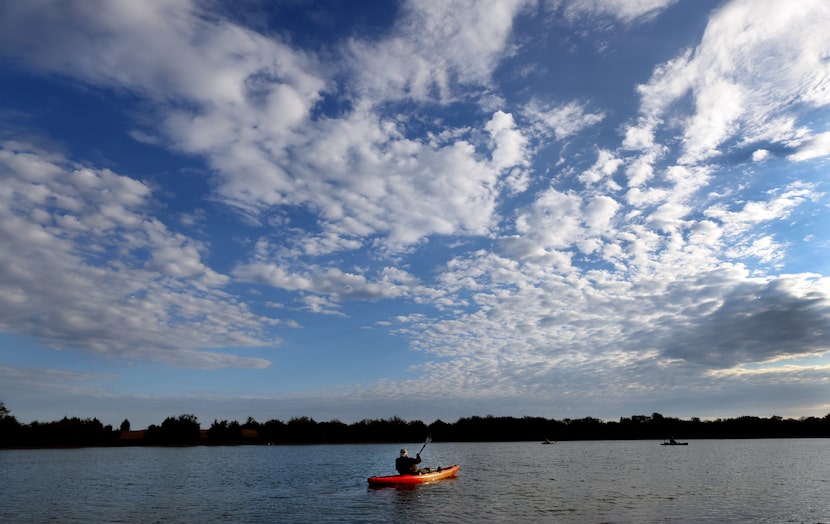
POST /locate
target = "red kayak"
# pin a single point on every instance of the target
(425, 476)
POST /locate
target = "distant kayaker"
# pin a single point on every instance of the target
(406, 464)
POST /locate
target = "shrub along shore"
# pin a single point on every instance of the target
(185, 430)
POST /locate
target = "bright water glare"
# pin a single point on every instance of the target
(615, 481)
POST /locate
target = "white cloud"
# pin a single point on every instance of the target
(626, 11)
(759, 155)
(761, 247)
(599, 212)
(603, 169)
(650, 333)
(778, 207)
(719, 107)
(669, 217)
(641, 170)
(86, 286)
(815, 147)
(322, 305)
(184, 54)
(433, 48)
(554, 219)
(562, 120)
(510, 144)
(756, 63)
(243, 101)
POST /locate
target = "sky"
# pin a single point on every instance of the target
(427, 210)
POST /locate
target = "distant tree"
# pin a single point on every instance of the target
(302, 430)
(440, 430)
(67, 432)
(235, 432)
(185, 430)
(9, 427)
(334, 431)
(224, 433)
(273, 431)
(175, 431)
(217, 432)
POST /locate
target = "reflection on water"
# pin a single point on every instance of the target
(620, 481)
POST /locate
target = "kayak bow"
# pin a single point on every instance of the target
(426, 476)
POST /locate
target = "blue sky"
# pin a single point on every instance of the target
(351, 210)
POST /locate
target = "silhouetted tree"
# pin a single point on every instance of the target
(272, 432)
(180, 431)
(302, 430)
(184, 430)
(9, 428)
(217, 433)
(67, 432)
(333, 431)
(225, 433)
(440, 431)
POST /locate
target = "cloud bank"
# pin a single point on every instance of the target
(649, 262)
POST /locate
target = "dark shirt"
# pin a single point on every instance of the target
(405, 465)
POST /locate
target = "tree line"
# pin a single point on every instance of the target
(185, 430)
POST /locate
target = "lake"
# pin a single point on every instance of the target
(786, 480)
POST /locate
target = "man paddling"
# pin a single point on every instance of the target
(407, 465)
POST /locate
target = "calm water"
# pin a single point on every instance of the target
(620, 481)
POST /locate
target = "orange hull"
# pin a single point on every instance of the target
(408, 480)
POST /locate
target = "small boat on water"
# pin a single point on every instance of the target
(423, 477)
(672, 442)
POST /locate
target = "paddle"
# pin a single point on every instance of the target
(427, 441)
